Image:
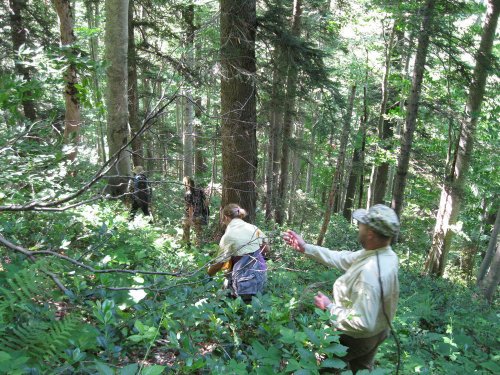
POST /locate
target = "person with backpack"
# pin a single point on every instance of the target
(196, 211)
(141, 193)
(241, 255)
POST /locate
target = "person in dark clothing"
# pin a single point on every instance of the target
(196, 211)
(141, 193)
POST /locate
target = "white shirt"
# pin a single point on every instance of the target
(239, 239)
(357, 304)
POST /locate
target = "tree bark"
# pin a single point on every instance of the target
(337, 178)
(133, 96)
(295, 171)
(413, 104)
(453, 187)
(200, 166)
(490, 282)
(19, 37)
(188, 136)
(385, 125)
(493, 244)
(92, 17)
(365, 120)
(116, 45)
(275, 128)
(356, 172)
(72, 118)
(288, 118)
(238, 104)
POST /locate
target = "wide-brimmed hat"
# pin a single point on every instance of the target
(138, 169)
(380, 218)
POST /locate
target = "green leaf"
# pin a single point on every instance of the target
(4, 356)
(265, 370)
(129, 370)
(153, 370)
(312, 336)
(303, 372)
(269, 356)
(140, 327)
(492, 366)
(237, 368)
(336, 349)
(300, 337)
(292, 365)
(259, 349)
(333, 363)
(136, 338)
(288, 335)
(103, 369)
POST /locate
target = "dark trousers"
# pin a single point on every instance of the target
(361, 352)
(136, 205)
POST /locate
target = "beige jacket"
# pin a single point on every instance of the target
(240, 238)
(356, 305)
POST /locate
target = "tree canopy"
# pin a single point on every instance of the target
(300, 112)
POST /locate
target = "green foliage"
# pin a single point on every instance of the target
(119, 323)
(30, 331)
(40, 340)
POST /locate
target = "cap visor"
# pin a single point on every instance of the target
(360, 215)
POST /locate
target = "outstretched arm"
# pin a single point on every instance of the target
(294, 240)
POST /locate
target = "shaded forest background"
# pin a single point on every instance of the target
(300, 112)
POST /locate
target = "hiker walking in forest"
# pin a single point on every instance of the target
(141, 191)
(196, 212)
(241, 255)
(366, 296)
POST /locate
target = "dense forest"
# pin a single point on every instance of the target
(300, 112)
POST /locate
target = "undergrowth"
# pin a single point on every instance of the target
(117, 323)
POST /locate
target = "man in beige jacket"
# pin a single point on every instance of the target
(365, 297)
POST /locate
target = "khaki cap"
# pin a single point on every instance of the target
(380, 218)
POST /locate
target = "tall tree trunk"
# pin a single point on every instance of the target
(116, 42)
(133, 97)
(492, 278)
(238, 105)
(188, 133)
(295, 171)
(489, 273)
(356, 172)
(492, 247)
(361, 189)
(200, 166)
(413, 104)
(188, 137)
(92, 15)
(385, 126)
(406, 76)
(370, 194)
(337, 177)
(453, 187)
(72, 115)
(310, 164)
(19, 37)
(275, 127)
(288, 118)
(179, 125)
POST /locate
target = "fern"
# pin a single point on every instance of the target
(40, 340)
(23, 287)
(28, 324)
